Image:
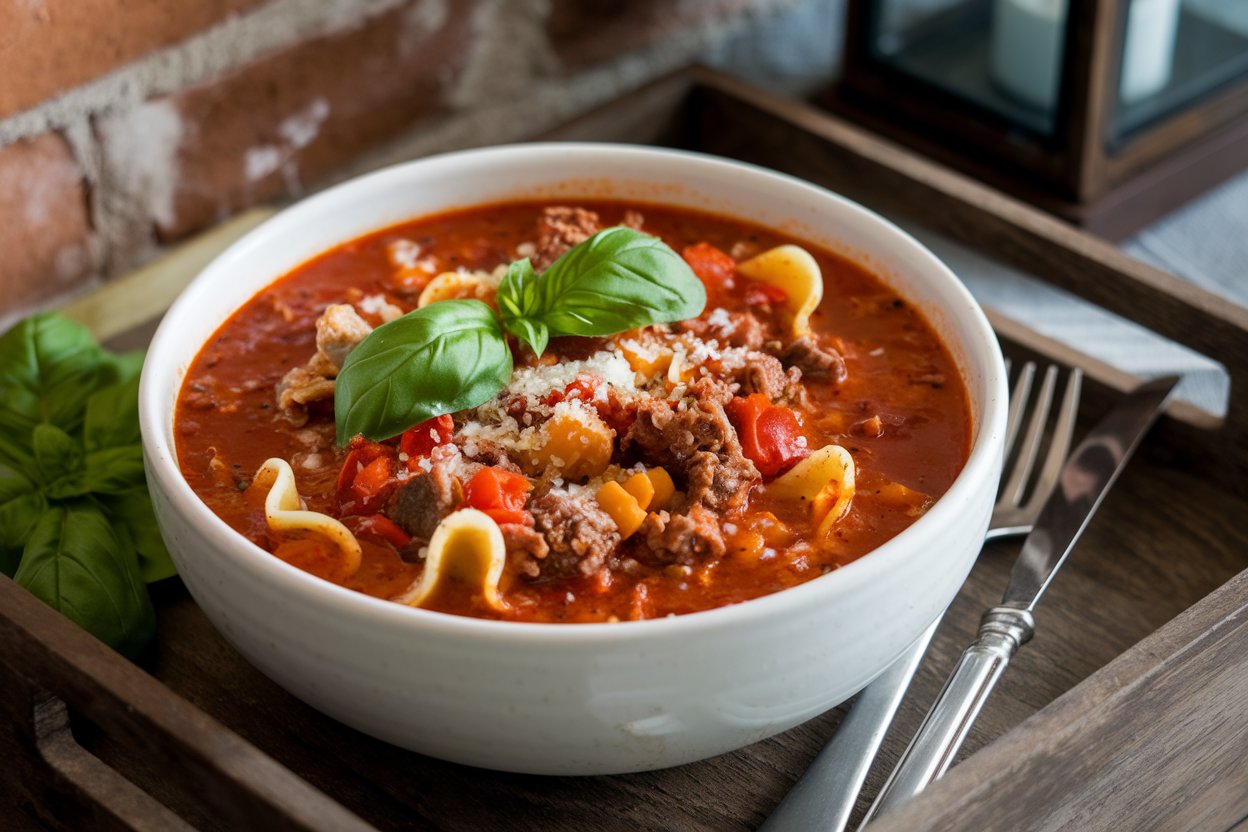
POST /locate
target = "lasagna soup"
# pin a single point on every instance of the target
(804, 417)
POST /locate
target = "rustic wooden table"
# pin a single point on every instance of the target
(1126, 712)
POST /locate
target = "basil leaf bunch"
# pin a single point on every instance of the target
(453, 355)
(76, 523)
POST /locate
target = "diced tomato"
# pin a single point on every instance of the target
(361, 454)
(713, 267)
(381, 527)
(583, 387)
(618, 414)
(770, 435)
(500, 494)
(419, 441)
(764, 294)
(372, 486)
(507, 515)
(492, 488)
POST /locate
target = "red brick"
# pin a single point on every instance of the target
(50, 46)
(587, 32)
(269, 128)
(45, 229)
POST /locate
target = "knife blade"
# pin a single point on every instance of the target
(1085, 479)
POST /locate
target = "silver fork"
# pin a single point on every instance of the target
(824, 797)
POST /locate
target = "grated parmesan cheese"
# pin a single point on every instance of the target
(404, 254)
(719, 318)
(379, 306)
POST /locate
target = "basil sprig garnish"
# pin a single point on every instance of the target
(76, 522)
(616, 280)
(453, 355)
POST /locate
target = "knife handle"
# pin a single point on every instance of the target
(1001, 632)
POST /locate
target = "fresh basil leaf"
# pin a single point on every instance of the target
(444, 357)
(15, 447)
(21, 504)
(517, 291)
(60, 461)
(112, 416)
(114, 470)
(533, 333)
(616, 280)
(119, 368)
(49, 365)
(133, 510)
(77, 564)
(517, 297)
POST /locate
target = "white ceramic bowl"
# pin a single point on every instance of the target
(574, 698)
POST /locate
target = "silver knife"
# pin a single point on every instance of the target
(1083, 483)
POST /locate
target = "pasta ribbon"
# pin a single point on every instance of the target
(285, 513)
(793, 269)
(466, 549)
(825, 479)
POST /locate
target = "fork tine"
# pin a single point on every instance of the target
(1030, 449)
(1022, 389)
(1063, 431)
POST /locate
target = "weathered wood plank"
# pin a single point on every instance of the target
(1157, 739)
(42, 650)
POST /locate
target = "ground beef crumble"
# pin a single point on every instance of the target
(815, 360)
(421, 503)
(579, 534)
(686, 539)
(697, 443)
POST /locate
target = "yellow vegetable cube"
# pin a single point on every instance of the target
(664, 488)
(578, 444)
(642, 489)
(649, 362)
(622, 508)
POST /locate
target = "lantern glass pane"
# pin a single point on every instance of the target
(1175, 54)
(1002, 56)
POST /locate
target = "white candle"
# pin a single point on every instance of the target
(1026, 48)
(1148, 52)
(1028, 37)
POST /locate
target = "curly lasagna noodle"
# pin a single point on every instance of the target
(664, 470)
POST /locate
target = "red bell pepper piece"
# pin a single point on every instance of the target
(372, 485)
(380, 527)
(770, 435)
(505, 515)
(419, 441)
(362, 453)
(500, 494)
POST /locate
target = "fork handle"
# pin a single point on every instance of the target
(823, 799)
(1001, 632)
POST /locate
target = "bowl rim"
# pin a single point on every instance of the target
(165, 474)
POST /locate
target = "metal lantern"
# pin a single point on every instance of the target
(1106, 112)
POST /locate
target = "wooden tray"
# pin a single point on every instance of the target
(1111, 719)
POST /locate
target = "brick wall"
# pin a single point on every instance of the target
(126, 125)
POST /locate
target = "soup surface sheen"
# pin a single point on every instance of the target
(877, 382)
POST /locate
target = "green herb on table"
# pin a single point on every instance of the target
(76, 522)
(454, 355)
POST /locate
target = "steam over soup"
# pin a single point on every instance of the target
(541, 412)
